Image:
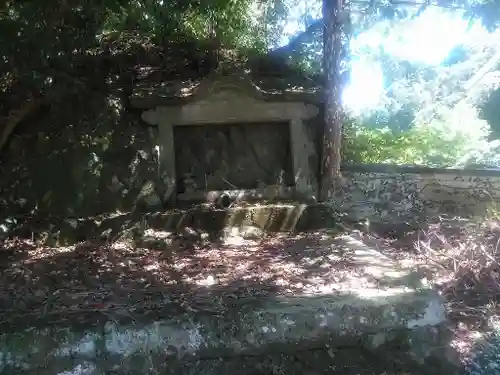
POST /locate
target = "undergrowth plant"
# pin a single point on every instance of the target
(444, 142)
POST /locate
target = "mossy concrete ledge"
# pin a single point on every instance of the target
(275, 217)
(409, 320)
(270, 218)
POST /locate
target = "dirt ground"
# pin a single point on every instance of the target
(184, 270)
(460, 257)
(188, 270)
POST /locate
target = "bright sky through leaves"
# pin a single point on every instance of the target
(427, 39)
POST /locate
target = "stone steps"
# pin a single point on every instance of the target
(381, 309)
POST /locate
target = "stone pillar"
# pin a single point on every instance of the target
(164, 118)
(167, 162)
(301, 147)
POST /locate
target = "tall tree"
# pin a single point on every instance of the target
(335, 19)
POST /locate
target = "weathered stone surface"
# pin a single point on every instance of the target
(85, 157)
(381, 308)
(269, 218)
(211, 159)
(242, 156)
(148, 197)
(267, 195)
(396, 194)
(147, 95)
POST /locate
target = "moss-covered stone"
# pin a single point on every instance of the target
(245, 327)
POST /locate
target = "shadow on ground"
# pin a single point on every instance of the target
(152, 272)
(166, 274)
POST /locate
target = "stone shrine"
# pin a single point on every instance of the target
(229, 137)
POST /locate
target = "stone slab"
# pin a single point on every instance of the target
(381, 305)
(296, 323)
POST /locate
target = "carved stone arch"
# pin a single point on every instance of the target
(236, 83)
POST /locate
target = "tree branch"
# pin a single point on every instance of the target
(299, 39)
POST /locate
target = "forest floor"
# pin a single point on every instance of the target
(123, 279)
(460, 258)
(164, 270)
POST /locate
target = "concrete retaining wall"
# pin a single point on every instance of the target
(413, 320)
(391, 193)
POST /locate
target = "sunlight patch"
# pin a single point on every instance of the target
(365, 88)
(42, 252)
(85, 369)
(121, 245)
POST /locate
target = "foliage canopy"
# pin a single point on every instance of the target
(54, 48)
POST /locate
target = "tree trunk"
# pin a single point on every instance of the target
(332, 134)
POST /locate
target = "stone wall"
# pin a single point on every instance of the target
(85, 156)
(391, 193)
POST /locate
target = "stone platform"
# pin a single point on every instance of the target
(243, 298)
